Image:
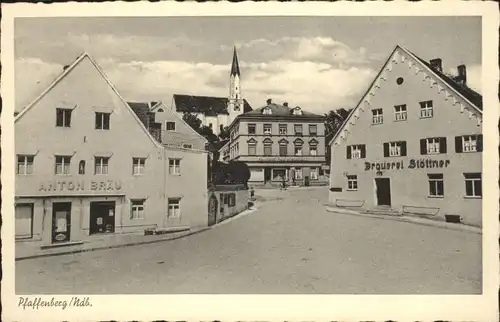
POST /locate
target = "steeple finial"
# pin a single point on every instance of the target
(235, 68)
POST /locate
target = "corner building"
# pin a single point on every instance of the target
(89, 165)
(413, 144)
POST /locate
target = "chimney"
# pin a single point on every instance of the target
(436, 64)
(285, 104)
(269, 101)
(462, 75)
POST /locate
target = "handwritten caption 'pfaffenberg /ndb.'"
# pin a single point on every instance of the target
(36, 303)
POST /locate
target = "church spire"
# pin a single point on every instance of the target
(235, 68)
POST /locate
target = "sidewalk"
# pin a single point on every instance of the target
(408, 219)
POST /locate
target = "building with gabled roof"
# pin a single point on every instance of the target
(216, 112)
(91, 164)
(412, 145)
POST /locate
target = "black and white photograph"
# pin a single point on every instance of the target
(249, 154)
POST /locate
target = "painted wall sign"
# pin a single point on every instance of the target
(93, 185)
(412, 164)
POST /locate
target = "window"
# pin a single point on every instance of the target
(298, 173)
(25, 164)
(279, 174)
(352, 182)
(298, 129)
(283, 148)
(24, 221)
(252, 148)
(62, 164)
(251, 129)
(267, 111)
(426, 110)
(436, 185)
(101, 165)
(63, 117)
(297, 111)
(102, 121)
(174, 207)
(314, 173)
(356, 151)
(170, 126)
(473, 185)
(174, 166)
(400, 112)
(395, 149)
(268, 148)
(267, 129)
(160, 110)
(298, 147)
(378, 118)
(469, 143)
(81, 167)
(187, 146)
(313, 150)
(433, 146)
(313, 129)
(137, 210)
(283, 129)
(138, 165)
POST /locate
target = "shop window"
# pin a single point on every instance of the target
(279, 174)
(101, 165)
(395, 149)
(137, 210)
(357, 151)
(174, 207)
(352, 182)
(436, 185)
(433, 145)
(170, 126)
(298, 173)
(25, 164)
(298, 129)
(314, 174)
(24, 221)
(81, 167)
(283, 129)
(377, 116)
(473, 185)
(138, 166)
(252, 129)
(426, 109)
(267, 129)
(469, 143)
(102, 121)
(63, 117)
(174, 166)
(62, 166)
(313, 129)
(400, 112)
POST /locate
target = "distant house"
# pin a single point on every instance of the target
(215, 112)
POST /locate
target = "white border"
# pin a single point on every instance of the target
(267, 307)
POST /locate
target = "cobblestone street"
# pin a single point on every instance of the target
(289, 245)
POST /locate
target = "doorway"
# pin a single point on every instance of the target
(212, 210)
(267, 174)
(383, 187)
(61, 222)
(102, 217)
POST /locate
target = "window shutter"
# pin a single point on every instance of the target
(403, 148)
(480, 143)
(458, 144)
(442, 145)
(363, 151)
(423, 146)
(386, 149)
(348, 151)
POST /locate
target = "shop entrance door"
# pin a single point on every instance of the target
(267, 174)
(383, 186)
(61, 222)
(102, 217)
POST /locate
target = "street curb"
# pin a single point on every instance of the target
(244, 213)
(423, 222)
(75, 251)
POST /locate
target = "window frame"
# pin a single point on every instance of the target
(298, 173)
(65, 117)
(174, 166)
(25, 164)
(167, 123)
(268, 126)
(426, 109)
(135, 208)
(65, 165)
(174, 204)
(283, 129)
(434, 180)
(316, 171)
(104, 164)
(254, 126)
(377, 118)
(472, 138)
(315, 132)
(141, 164)
(473, 178)
(352, 182)
(283, 145)
(402, 112)
(101, 125)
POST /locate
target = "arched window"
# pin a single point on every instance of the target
(81, 167)
(160, 110)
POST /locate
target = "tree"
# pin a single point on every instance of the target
(224, 133)
(192, 120)
(335, 119)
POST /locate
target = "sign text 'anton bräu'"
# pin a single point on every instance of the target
(93, 185)
(412, 164)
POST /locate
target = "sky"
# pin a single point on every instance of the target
(317, 63)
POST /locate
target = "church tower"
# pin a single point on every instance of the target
(235, 104)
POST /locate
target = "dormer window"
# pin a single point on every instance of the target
(267, 111)
(297, 111)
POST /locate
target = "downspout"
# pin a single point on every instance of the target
(164, 191)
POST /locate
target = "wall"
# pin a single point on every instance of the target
(241, 204)
(409, 187)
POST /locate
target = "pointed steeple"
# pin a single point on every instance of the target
(235, 68)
